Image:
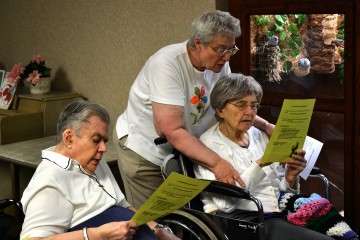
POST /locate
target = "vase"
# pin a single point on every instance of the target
(41, 87)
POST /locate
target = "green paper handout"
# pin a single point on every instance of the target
(171, 195)
(290, 130)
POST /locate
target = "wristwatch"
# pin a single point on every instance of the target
(158, 226)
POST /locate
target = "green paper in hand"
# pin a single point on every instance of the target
(290, 130)
(171, 195)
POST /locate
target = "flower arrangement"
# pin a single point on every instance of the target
(32, 72)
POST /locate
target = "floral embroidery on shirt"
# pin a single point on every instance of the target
(200, 99)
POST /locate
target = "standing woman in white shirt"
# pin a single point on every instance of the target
(170, 98)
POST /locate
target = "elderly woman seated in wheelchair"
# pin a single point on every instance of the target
(236, 99)
(73, 194)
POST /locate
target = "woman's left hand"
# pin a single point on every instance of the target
(295, 165)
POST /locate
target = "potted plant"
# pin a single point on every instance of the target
(38, 75)
(35, 73)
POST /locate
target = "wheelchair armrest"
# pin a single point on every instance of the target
(238, 192)
(228, 190)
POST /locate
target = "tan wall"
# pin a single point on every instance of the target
(95, 47)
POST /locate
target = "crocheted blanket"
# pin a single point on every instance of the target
(317, 213)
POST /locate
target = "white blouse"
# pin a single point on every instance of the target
(263, 183)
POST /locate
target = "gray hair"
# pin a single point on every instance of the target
(210, 24)
(76, 113)
(233, 86)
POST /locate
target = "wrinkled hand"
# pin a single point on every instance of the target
(295, 165)
(164, 234)
(118, 230)
(225, 172)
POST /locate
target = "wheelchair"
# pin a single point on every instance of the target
(10, 224)
(191, 217)
(190, 222)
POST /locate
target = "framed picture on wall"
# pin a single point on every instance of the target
(7, 91)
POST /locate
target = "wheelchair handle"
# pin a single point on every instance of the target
(4, 203)
(315, 171)
(160, 140)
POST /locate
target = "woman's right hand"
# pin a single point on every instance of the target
(124, 230)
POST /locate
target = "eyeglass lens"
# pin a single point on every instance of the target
(243, 106)
(221, 52)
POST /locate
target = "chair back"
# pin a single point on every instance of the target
(179, 163)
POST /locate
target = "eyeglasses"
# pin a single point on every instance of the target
(242, 106)
(221, 52)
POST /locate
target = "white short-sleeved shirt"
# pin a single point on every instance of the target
(61, 195)
(263, 183)
(167, 77)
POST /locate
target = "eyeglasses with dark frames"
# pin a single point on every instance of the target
(221, 52)
(242, 106)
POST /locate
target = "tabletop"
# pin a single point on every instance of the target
(28, 153)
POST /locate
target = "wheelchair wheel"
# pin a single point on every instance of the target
(191, 226)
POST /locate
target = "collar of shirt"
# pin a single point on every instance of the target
(62, 161)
